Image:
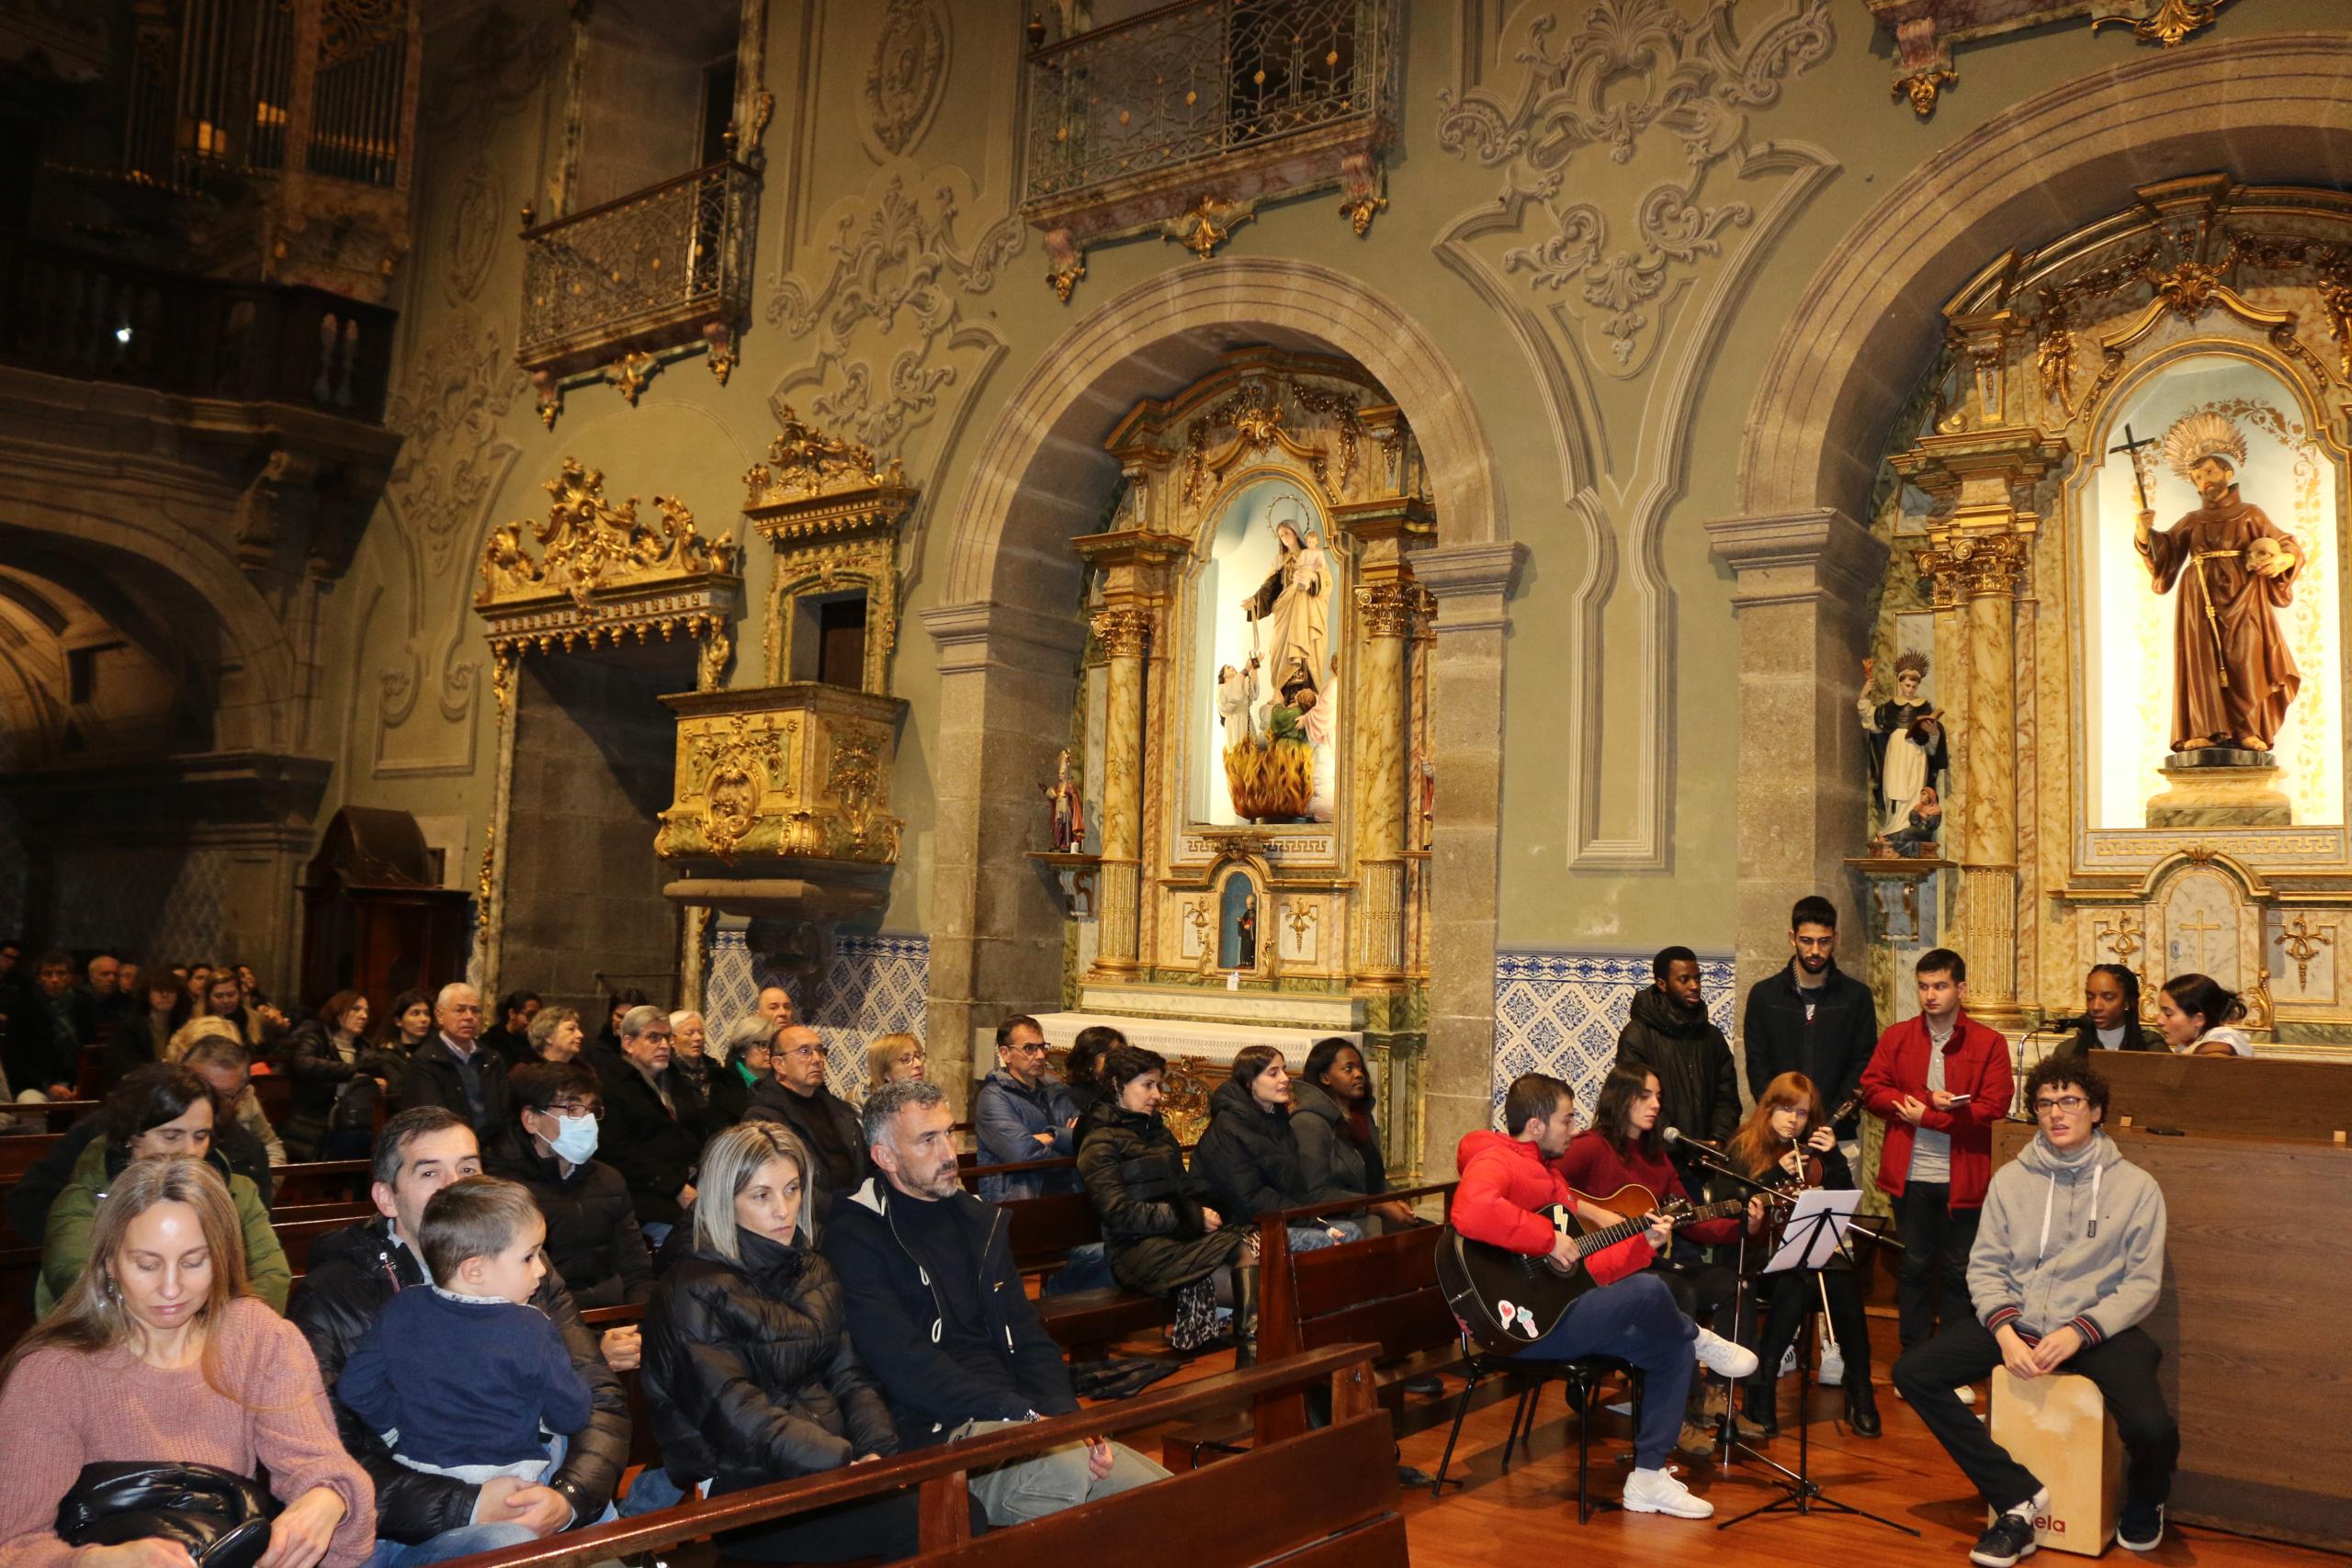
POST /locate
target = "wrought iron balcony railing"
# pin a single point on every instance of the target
(1202, 79)
(93, 318)
(660, 268)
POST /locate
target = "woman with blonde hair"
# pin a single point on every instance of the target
(159, 1353)
(1787, 1141)
(893, 1058)
(747, 1371)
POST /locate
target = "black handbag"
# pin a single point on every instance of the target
(221, 1518)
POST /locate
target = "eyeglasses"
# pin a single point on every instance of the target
(806, 1051)
(1034, 1048)
(2070, 1103)
(576, 1108)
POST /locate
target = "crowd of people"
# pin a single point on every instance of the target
(818, 1288)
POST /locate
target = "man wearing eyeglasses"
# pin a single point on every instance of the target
(654, 1123)
(2068, 1259)
(798, 1096)
(1022, 1113)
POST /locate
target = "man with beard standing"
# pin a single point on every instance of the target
(1811, 1018)
(1670, 1035)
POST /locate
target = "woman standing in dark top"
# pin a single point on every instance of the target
(1163, 1237)
(2111, 1014)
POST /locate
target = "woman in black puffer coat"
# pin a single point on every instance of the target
(1250, 1157)
(748, 1370)
(1163, 1236)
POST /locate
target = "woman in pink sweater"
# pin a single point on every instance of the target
(162, 1352)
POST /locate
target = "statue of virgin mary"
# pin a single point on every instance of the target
(1294, 602)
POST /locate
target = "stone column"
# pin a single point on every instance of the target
(1388, 610)
(1802, 594)
(1125, 633)
(1473, 584)
(1007, 677)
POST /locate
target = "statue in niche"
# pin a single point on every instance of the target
(1238, 925)
(1289, 616)
(1067, 808)
(1237, 691)
(1907, 749)
(2233, 677)
(1276, 703)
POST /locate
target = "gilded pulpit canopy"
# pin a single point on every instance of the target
(2233, 676)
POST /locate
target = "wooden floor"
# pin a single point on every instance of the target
(1528, 1517)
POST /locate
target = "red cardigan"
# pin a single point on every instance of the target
(1977, 1063)
(1504, 1182)
(1595, 1170)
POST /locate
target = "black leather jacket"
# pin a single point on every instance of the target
(353, 1273)
(749, 1372)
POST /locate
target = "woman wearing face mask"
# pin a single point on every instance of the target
(593, 1239)
(155, 1112)
(160, 1353)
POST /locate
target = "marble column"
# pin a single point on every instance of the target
(1126, 634)
(1388, 613)
(1984, 573)
(1803, 582)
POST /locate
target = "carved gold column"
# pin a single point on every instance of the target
(1125, 632)
(1388, 612)
(1388, 605)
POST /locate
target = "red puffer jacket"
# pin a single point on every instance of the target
(1504, 1182)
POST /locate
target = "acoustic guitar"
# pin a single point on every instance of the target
(1506, 1301)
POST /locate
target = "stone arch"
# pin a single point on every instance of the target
(1039, 477)
(1869, 321)
(1865, 328)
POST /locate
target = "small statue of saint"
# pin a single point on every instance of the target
(2233, 677)
(1246, 938)
(1916, 839)
(1067, 807)
(1907, 750)
(1235, 688)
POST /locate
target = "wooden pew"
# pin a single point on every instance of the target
(2252, 1098)
(1381, 1291)
(323, 1181)
(1335, 1487)
(1086, 1323)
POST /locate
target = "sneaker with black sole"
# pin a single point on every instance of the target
(2139, 1528)
(2010, 1537)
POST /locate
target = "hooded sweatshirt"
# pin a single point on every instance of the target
(1505, 1182)
(2064, 1242)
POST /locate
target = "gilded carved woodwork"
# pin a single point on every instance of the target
(788, 772)
(832, 514)
(1926, 31)
(601, 573)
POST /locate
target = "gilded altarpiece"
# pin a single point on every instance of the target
(1257, 694)
(2082, 385)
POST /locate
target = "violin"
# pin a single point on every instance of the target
(1808, 1172)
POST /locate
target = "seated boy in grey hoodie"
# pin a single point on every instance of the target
(2069, 1257)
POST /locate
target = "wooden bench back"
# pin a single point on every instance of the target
(1337, 1487)
(1381, 1290)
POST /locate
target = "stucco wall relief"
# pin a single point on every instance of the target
(904, 78)
(1633, 208)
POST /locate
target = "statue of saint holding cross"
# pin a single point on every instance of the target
(2233, 677)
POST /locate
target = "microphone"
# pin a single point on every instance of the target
(2065, 1025)
(1677, 1135)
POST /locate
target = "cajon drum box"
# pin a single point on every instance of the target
(2057, 1427)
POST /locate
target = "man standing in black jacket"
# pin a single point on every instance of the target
(421, 1518)
(1669, 1034)
(938, 1315)
(1811, 1018)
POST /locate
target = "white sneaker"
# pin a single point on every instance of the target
(1659, 1492)
(1722, 1357)
(1967, 1395)
(1833, 1366)
(1788, 1362)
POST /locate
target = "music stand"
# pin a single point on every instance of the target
(1813, 1237)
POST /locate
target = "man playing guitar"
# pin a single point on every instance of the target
(1506, 1181)
(2068, 1259)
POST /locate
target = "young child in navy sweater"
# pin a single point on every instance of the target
(465, 1378)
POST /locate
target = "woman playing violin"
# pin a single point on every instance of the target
(1787, 1141)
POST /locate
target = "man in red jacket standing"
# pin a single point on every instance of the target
(1939, 1081)
(1506, 1181)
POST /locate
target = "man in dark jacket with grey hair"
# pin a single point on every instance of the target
(938, 1315)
